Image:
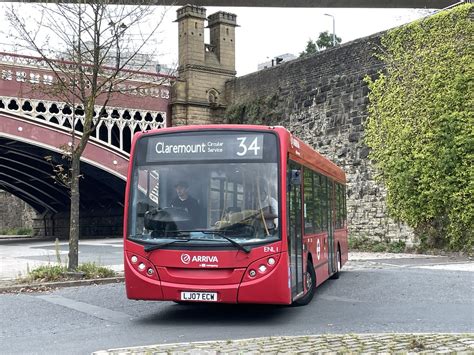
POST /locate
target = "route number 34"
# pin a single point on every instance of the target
(245, 148)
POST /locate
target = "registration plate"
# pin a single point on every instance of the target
(199, 296)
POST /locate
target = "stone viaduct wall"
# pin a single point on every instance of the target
(14, 213)
(323, 100)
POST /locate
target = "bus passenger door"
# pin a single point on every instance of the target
(295, 235)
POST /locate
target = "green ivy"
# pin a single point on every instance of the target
(421, 126)
(260, 111)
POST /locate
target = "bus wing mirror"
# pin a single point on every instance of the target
(294, 177)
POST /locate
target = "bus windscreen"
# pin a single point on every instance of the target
(199, 189)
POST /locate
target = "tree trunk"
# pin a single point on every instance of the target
(74, 214)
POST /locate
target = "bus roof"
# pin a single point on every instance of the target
(299, 151)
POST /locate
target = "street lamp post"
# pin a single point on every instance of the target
(117, 31)
(333, 29)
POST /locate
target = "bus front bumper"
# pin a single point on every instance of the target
(272, 288)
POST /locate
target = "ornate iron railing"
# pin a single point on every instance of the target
(115, 128)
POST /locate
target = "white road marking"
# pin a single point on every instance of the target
(95, 311)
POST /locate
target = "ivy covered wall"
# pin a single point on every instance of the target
(421, 126)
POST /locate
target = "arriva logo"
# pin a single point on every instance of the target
(186, 259)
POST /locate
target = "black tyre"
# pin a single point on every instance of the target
(310, 279)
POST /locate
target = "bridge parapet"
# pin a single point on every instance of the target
(25, 61)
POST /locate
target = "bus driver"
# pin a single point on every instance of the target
(186, 202)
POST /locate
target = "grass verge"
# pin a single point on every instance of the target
(54, 273)
(16, 231)
(364, 243)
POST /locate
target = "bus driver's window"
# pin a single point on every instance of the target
(268, 206)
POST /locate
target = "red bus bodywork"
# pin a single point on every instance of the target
(175, 271)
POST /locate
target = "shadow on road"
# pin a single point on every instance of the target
(208, 314)
(227, 314)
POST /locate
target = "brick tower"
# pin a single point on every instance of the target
(198, 95)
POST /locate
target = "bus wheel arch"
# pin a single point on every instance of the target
(310, 280)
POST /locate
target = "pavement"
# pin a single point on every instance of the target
(314, 344)
(18, 255)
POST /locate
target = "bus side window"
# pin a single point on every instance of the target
(309, 202)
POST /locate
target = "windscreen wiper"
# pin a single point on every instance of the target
(221, 235)
(150, 247)
(233, 242)
(154, 246)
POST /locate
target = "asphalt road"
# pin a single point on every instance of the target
(371, 296)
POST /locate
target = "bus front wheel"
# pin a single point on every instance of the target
(310, 279)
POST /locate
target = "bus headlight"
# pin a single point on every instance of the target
(261, 267)
(142, 265)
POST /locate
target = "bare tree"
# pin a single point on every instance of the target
(90, 36)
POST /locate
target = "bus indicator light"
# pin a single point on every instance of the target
(262, 268)
(150, 271)
(141, 267)
(252, 273)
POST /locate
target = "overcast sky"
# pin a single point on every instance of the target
(268, 32)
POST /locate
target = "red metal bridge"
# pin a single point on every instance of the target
(33, 126)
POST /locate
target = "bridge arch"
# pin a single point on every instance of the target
(33, 124)
(25, 173)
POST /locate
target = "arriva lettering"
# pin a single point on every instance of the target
(205, 259)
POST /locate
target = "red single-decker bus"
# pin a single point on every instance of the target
(231, 214)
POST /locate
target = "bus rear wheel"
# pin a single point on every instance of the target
(310, 279)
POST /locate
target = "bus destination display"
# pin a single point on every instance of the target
(206, 147)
